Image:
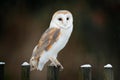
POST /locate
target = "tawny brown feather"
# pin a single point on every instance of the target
(50, 36)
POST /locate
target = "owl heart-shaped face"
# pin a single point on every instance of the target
(63, 19)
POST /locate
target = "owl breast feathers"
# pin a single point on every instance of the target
(52, 41)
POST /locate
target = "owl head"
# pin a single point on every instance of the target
(62, 19)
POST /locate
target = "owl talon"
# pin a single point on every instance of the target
(53, 64)
(61, 67)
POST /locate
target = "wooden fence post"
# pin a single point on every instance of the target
(25, 71)
(85, 72)
(2, 65)
(108, 72)
(53, 72)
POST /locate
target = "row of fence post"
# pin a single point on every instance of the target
(53, 72)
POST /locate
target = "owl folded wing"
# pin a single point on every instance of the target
(49, 37)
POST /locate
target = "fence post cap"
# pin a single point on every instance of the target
(85, 65)
(25, 64)
(108, 66)
(2, 62)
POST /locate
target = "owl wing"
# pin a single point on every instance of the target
(49, 37)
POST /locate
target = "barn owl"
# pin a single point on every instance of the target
(52, 41)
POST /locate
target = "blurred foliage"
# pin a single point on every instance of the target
(95, 38)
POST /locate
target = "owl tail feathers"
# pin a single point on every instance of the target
(33, 63)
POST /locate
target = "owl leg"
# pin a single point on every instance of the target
(52, 62)
(56, 63)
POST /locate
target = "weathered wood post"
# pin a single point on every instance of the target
(108, 72)
(53, 72)
(25, 71)
(85, 72)
(2, 65)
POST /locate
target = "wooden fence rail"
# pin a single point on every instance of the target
(53, 73)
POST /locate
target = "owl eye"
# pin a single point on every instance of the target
(67, 18)
(60, 19)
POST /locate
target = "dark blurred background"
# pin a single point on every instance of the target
(95, 38)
